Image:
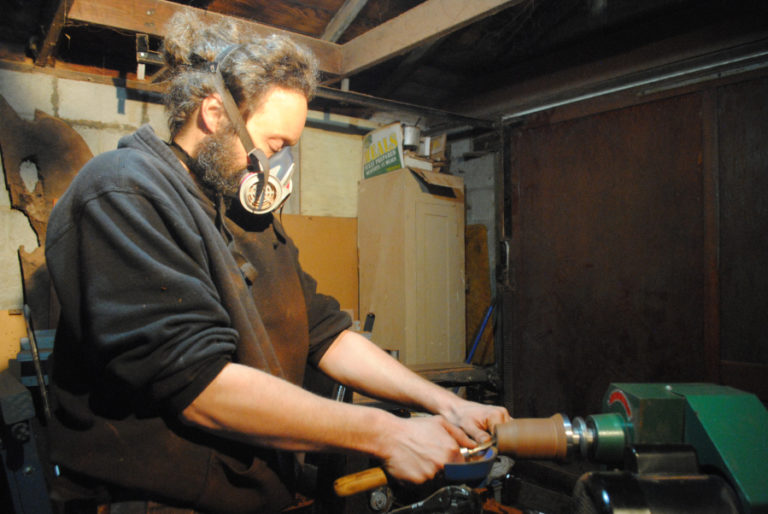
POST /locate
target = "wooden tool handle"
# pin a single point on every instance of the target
(359, 482)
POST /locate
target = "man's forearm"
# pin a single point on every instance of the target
(252, 406)
(258, 408)
(249, 405)
(355, 361)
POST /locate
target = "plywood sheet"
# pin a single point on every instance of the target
(331, 166)
(611, 278)
(328, 252)
(438, 248)
(12, 329)
(478, 293)
(743, 177)
(411, 244)
(381, 241)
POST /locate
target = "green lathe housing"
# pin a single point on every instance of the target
(728, 429)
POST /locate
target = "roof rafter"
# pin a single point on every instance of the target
(53, 33)
(422, 24)
(343, 18)
(151, 16)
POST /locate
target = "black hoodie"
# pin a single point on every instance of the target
(158, 291)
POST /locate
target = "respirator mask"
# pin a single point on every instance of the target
(266, 182)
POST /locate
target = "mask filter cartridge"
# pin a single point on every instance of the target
(260, 195)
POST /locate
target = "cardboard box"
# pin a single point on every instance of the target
(437, 147)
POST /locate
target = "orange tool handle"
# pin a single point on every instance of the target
(359, 482)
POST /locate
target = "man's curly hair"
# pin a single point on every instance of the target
(250, 70)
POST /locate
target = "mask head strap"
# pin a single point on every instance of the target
(257, 159)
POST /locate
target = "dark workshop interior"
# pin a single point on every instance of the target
(603, 169)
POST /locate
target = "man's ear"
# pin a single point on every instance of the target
(211, 113)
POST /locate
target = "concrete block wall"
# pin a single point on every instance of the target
(101, 114)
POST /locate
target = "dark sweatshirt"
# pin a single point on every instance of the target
(159, 290)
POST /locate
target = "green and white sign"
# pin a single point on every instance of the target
(383, 150)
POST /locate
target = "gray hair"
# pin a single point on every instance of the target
(250, 70)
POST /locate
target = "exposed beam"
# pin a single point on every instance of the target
(54, 31)
(89, 74)
(342, 19)
(151, 16)
(432, 114)
(424, 23)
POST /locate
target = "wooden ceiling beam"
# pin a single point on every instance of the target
(151, 16)
(53, 34)
(342, 19)
(422, 24)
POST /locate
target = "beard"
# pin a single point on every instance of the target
(215, 165)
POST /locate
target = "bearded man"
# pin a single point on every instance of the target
(187, 323)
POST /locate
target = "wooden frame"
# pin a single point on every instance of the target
(424, 23)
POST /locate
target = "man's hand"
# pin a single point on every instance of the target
(412, 453)
(476, 419)
(420, 448)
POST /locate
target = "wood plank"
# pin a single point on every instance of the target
(342, 19)
(422, 24)
(12, 329)
(610, 279)
(327, 251)
(711, 211)
(52, 36)
(411, 256)
(478, 286)
(333, 169)
(308, 18)
(742, 131)
(151, 16)
(83, 73)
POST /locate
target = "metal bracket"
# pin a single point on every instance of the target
(145, 56)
